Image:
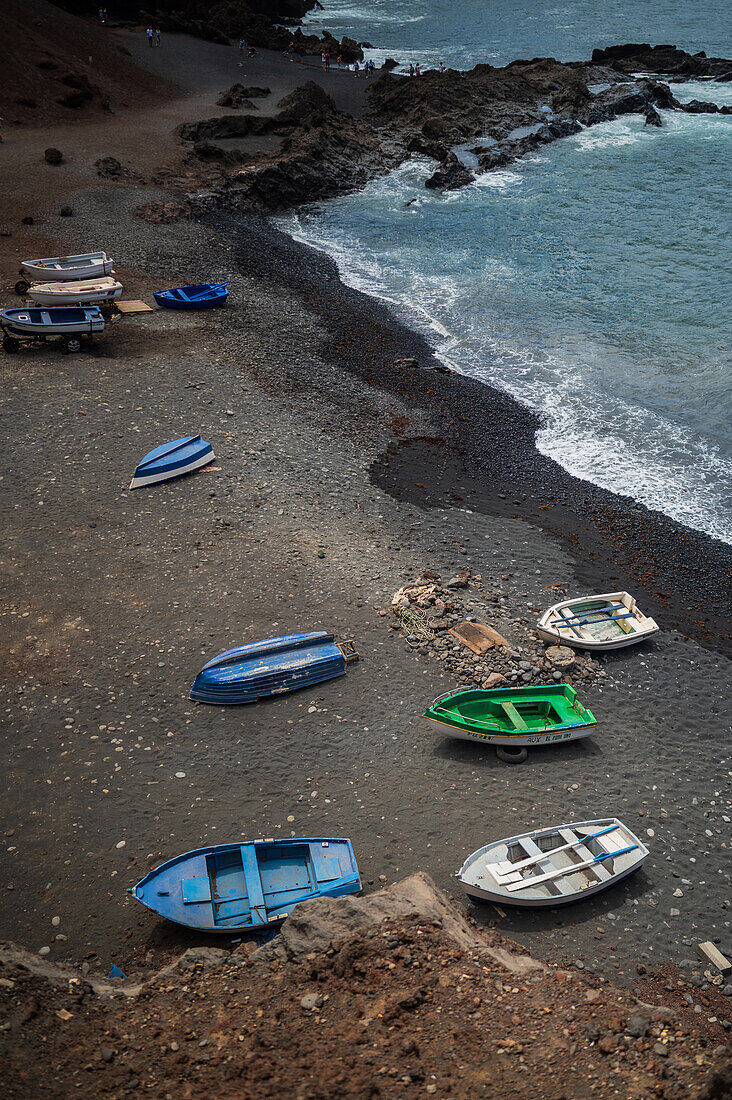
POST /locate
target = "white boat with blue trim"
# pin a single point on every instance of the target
(87, 265)
(174, 459)
(61, 321)
(554, 866)
(611, 620)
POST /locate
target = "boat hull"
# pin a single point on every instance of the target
(58, 321)
(515, 740)
(607, 621)
(521, 717)
(251, 887)
(85, 292)
(173, 460)
(204, 296)
(91, 265)
(273, 666)
(487, 897)
(571, 849)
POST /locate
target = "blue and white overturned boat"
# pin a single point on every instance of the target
(271, 667)
(202, 296)
(174, 459)
(249, 886)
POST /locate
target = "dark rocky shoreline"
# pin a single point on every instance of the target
(325, 151)
(486, 459)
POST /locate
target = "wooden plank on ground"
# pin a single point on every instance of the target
(134, 306)
(478, 637)
(710, 954)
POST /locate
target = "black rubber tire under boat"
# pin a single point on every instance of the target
(510, 755)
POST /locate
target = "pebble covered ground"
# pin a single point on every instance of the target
(113, 600)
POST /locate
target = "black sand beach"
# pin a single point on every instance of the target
(112, 602)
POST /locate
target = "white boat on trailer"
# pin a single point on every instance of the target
(611, 620)
(83, 293)
(554, 866)
(87, 265)
(71, 323)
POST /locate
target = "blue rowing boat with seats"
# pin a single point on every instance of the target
(249, 886)
(174, 459)
(271, 667)
(202, 296)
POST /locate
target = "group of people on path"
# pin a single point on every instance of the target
(296, 52)
(153, 35)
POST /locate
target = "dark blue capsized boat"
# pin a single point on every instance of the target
(169, 460)
(202, 296)
(271, 667)
(250, 886)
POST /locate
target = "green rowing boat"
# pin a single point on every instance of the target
(513, 716)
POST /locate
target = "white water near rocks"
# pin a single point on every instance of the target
(590, 280)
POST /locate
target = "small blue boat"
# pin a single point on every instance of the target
(203, 296)
(271, 667)
(174, 459)
(249, 886)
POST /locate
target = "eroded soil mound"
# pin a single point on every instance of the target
(395, 994)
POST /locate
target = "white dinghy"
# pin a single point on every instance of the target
(89, 265)
(611, 620)
(555, 866)
(84, 293)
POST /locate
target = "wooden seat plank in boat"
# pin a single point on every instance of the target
(583, 853)
(513, 716)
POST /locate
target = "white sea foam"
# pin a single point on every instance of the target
(622, 441)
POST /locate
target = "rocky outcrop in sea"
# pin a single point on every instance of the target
(468, 122)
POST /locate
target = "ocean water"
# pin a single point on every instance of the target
(589, 280)
(463, 34)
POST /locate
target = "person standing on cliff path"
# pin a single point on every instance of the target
(339, 59)
(157, 37)
(149, 33)
(291, 51)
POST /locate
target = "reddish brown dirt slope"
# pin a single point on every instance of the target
(395, 1010)
(57, 68)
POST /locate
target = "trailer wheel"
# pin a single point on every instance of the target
(72, 343)
(511, 755)
(10, 344)
(21, 287)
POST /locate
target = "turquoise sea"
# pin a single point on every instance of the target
(590, 280)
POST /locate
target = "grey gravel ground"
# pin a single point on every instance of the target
(113, 600)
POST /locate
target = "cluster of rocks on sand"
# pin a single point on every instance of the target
(436, 617)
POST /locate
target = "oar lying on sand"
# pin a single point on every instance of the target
(504, 871)
(537, 880)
